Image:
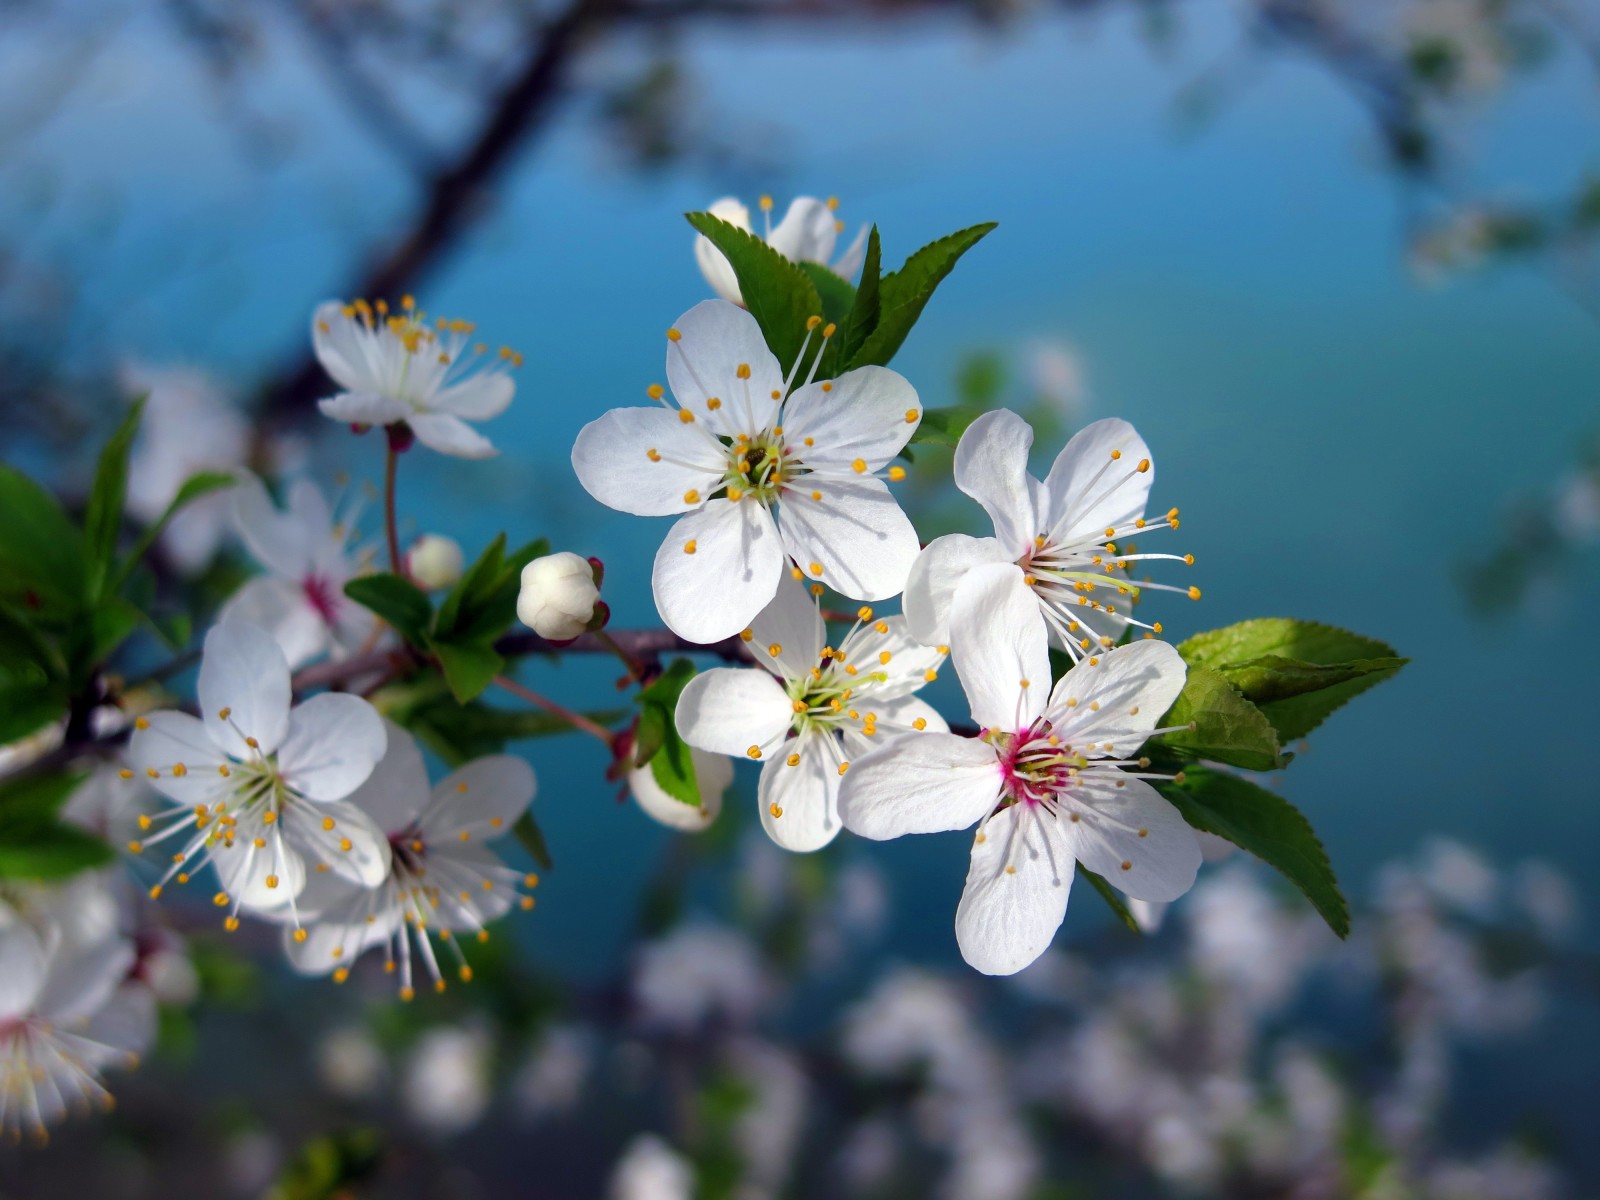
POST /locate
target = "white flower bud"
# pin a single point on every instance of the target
(558, 596)
(435, 562)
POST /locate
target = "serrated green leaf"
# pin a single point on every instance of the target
(1227, 727)
(468, 669)
(492, 611)
(41, 551)
(1112, 897)
(533, 840)
(1308, 641)
(863, 317)
(944, 426)
(779, 295)
(202, 483)
(50, 852)
(1298, 696)
(838, 299)
(657, 741)
(904, 293)
(397, 600)
(102, 519)
(1268, 826)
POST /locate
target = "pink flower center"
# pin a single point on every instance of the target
(320, 594)
(1035, 765)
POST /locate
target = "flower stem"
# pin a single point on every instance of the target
(391, 469)
(576, 720)
(636, 668)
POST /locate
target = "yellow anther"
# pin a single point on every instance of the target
(743, 371)
(300, 935)
(1144, 465)
(1116, 454)
(896, 474)
(692, 496)
(766, 203)
(1189, 559)
(746, 635)
(655, 391)
(269, 818)
(816, 568)
(930, 675)
(911, 416)
(224, 770)
(125, 773)
(754, 752)
(827, 330)
(152, 772)
(686, 416)
(775, 810)
(327, 822)
(827, 385)
(1194, 592)
(220, 899)
(775, 649)
(140, 723)
(528, 903)
(231, 924)
(1126, 865)
(797, 573)
(714, 403)
(859, 466)
(816, 495)
(884, 656)
(793, 760)
(920, 723)
(272, 881)
(346, 845)
(813, 322)
(653, 454)
(690, 546)
(843, 767)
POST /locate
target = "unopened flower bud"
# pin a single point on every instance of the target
(558, 596)
(434, 561)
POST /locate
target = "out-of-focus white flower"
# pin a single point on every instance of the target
(768, 1130)
(650, 1169)
(1044, 783)
(1460, 877)
(808, 722)
(713, 774)
(187, 428)
(260, 788)
(68, 1010)
(698, 973)
(558, 595)
(26, 750)
(1059, 536)
(1578, 507)
(551, 1082)
(1548, 897)
(435, 561)
(110, 806)
(396, 367)
(1056, 377)
(350, 1063)
(869, 1156)
(808, 232)
(1240, 938)
(445, 1084)
(1507, 1174)
(440, 874)
(757, 473)
(300, 599)
(910, 1019)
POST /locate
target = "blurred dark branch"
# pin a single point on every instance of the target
(367, 97)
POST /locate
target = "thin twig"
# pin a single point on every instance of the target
(576, 720)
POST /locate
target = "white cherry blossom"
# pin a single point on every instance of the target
(261, 787)
(300, 599)
(758, 471)
(441, 877)
(1044, 780)
(809, 232)
(1066, 536)
(396, 367)
(811, 708)
(68, 1008)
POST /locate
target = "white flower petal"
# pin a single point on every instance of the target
(367, 859)
(807, 232)
(22, 966)
(716, 339)
(1016, 893)
(714, 265)
(937, 572)
(998, 644)
(868, 414)
(1132, 836)
(793, 623)
(459, 871)
(713, 772)
(334, 941)
(280, 607)
(921, 783)
(341, 343)
(612, 459)
(451, 435)
(334, 742)
(482, 799)
(857, 533)
(717, 590)
(800, 804)
(727, 710)
(275, 539)
(171, 738)
(1097, 491)
(485, 395)
(244, 872)
(82, 977)
(991, 466)
(243, 671)
(125, 1024)
(1119, 699)
(364, 408)
(903, 662)
(396, 792)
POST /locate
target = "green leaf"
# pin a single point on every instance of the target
(491, 612)
(1298, 696)
(329, 1166)
(863, 318)
(1112, 897)
(111, 623)
(52, 852)
(397, 600)
(28, 706)
(533, 840)
(102, 519)
(468, 669)
(657, 742)
(838, 295)
(944, 426)
(1227, 727)
(35, 799)
(24, 652)
(1309, 641)
(779, 295)
(904, 293)
(41, 552)
(202, 483)
(479, 578)
(459, 733)
(1266, 825)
